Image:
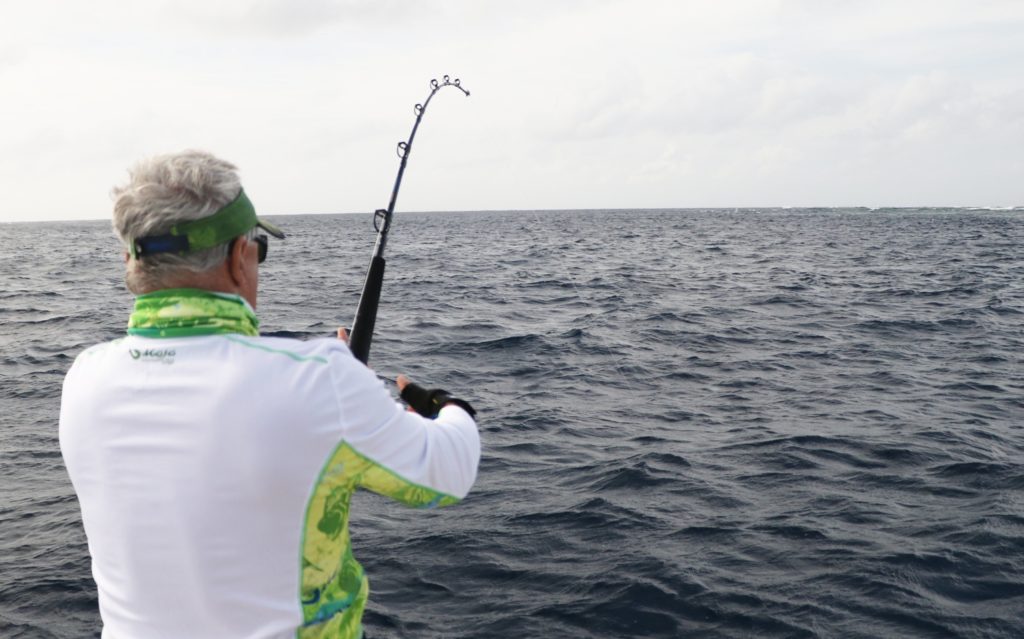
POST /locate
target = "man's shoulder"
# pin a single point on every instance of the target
(134, 349)
(97, 349)
(317, 351)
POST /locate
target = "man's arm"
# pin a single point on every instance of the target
(398, 453)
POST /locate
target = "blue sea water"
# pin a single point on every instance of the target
(696, 423)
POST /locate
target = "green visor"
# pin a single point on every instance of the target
(235, 219)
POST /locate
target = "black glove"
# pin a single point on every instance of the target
(430, 402)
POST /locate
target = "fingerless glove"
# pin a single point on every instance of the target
(429, 402)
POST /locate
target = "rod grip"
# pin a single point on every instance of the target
(366, 313)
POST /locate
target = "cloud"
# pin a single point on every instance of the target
(288, 18)
(575, 103)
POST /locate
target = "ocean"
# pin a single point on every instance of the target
(696, 423)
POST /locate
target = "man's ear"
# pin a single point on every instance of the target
(236, 261)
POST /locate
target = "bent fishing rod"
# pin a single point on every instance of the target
(366, 313)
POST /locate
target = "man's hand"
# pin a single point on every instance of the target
(428, 402)
(402, 381)
(343, 335)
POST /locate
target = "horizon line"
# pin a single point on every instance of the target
(612, 209)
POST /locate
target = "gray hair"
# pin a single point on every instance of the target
(165, 190)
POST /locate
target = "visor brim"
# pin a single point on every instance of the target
(270, 228)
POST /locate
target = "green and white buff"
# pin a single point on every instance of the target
(186, 312)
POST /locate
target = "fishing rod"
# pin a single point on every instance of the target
(366, 313)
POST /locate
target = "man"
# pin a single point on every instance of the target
(214, 467)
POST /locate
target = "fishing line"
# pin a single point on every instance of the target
(590, 304)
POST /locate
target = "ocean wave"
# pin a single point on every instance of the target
(772, 423)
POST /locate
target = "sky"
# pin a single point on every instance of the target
(575, 103)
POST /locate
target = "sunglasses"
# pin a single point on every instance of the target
(261, 242)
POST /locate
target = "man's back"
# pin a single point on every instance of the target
(215, 472)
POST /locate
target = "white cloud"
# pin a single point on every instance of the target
(575, 103)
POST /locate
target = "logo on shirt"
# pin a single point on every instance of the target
(162, 355)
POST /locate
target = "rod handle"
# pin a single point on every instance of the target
(366, 314)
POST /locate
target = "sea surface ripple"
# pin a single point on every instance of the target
(696, 423)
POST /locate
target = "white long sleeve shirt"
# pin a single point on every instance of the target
(214, 475)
